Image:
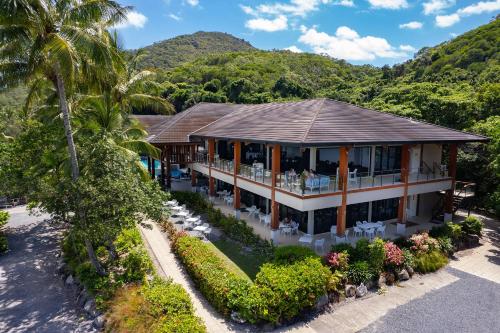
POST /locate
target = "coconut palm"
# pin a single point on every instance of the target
(59, 41)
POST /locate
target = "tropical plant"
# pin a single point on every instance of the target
(337, 260)
(472, 225)
(59, 42)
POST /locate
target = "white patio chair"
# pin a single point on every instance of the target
(333, 231)
(262, 217)
(358, 232)
(346, 234)
(287, 231)
(340, 240)
(256, 213)
(358, 223)
(229, 201)
(267, 220)
(352, 176)
(319, 244)
(206, 225)
(381, 231)
(370, 233)
(251, 210)
(295, 228)
(207, 233)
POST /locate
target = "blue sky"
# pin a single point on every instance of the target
(360, 31)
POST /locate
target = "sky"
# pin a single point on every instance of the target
(373, 32)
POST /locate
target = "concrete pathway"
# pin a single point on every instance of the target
(33, 297)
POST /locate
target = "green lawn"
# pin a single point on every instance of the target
(247, 263)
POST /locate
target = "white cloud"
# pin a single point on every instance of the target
(133, 19)
(279, 23)
(411, 25)
(193, 3)
(347, 44)
(174, 17)
(388, 4)
(436, 6)
(293, 49)
(479, 8)
(444, 21)
(345, 3)
(407, 48)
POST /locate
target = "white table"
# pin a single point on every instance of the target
(306, 239)
(192, 219)
(222, 193)
(182, 214)
(177, 208)
(171, 203)
(369, 225)
(200, 228)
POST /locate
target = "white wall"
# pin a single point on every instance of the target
(432, 153)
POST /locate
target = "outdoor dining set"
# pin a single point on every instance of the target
(189, 222)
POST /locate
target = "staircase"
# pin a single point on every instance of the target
(462, 198)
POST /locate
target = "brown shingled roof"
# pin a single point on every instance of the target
(320, 122)
(149, 121)
(179, 126)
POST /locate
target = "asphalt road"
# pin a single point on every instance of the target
(471, 304)
(33, 298)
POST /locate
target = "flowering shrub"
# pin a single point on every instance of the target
(337, 260)
(423, 243)
(393, 255)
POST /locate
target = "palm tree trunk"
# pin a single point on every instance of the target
(63, 105)
(93, 258)
(75, 170)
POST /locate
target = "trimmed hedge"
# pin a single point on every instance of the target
(210, 273)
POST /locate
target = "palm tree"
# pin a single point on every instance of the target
(59, 41)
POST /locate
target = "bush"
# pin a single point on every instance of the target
(214, 279)
(446, 245)
(427, 262)
(167, 298)
(343, 247)
(292, 253)
(4, 217)
(4, 245)
(472, 225)
(362, 250)
(402, 242)
(409, 258)
(377, 255)
(337, 261)
(423, 243)
(360, 272)
(449, 229)
(394, 257)
(281, 292)
(161, 306)
(136, 265)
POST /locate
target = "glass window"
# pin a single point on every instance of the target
(324, 219)
(387, 158)
(327, 161)
(357, 212)
(383, 210)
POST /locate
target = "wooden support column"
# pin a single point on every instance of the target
(405, 165)
(452, 173)
(275, 171)
(211, 156)
(236, 169)
(343, 174)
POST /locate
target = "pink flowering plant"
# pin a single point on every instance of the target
(423, 243)
(337, 260)
(393, 255)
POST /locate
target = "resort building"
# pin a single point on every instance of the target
(322, 163)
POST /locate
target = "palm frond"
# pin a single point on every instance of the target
(156, 104)
(141, 147)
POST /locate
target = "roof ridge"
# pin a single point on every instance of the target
(408, 118)
(313, 119)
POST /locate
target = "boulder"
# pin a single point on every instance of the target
(350, 290)
(99, 322)
(472, 240)
(69, 280)
(361, 290)
(89, 307)
(390, 278)
(322, 302)
(410, 270)
(403, 275)
(61, 267)
(82, 297)
(235, 316)
(381, 281)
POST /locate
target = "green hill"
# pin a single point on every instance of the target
(172, 52)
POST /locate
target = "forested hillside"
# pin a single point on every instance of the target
(455, 84)
(172, 52)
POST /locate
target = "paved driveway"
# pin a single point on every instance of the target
(32, 297)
